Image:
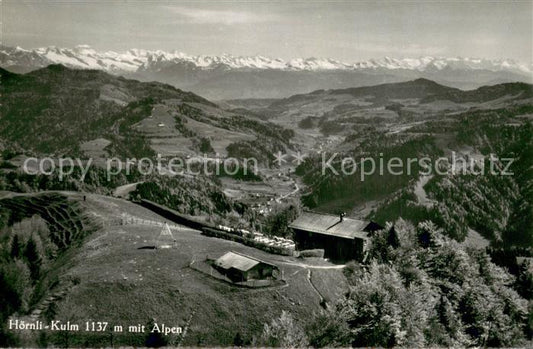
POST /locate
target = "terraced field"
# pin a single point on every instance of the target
(166, 140)
(65, 218)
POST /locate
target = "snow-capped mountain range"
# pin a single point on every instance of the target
(231, 77)
(85, 57)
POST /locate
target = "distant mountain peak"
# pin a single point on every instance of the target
(424, 81)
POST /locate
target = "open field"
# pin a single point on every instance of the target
(125, 285)
(165, 139)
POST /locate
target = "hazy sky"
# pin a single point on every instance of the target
(348, 31)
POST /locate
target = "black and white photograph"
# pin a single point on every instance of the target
(266, 174)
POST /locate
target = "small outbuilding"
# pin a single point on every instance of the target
(240, 267)
(341, 238)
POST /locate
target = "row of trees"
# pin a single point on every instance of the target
(194, 196)
(96, 180)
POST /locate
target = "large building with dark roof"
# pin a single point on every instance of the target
(341, 238)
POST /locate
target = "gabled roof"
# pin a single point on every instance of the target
(331, 225)
(237, 261)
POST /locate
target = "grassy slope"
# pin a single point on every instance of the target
(63, 106)
(123, 285)
(57, 110)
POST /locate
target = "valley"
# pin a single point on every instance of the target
(287, 139)
(93, 255)
(255, 174)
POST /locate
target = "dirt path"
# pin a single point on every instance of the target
(124, 190)
(362, 211)
(291, 193)
(308, 266)
(58, 293)
(313, 287)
